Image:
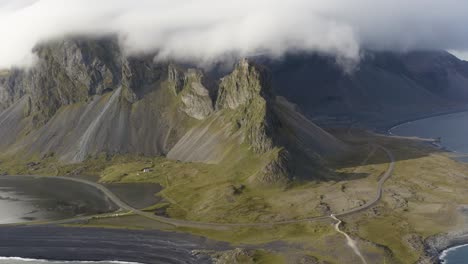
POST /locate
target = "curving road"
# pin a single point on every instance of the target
(204, 225)
(388, 173)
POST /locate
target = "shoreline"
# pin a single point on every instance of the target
(444, 253)
(436, 247)
(388, 128)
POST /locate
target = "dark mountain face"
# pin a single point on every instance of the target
(385, 87)
(439, 72)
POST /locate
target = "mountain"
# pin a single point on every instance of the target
(84, 98)
(385, 88)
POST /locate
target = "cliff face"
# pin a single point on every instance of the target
(196, 98)
(67, 72)
(84, 98)
(246, 92)
(248, 114)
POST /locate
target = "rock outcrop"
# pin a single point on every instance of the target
(248, 113)
(195, 97)
(67, 72)
(247, 93)
(235, 256)
(62, 105)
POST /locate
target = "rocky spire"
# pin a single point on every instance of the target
(247, 92)
(247, 82)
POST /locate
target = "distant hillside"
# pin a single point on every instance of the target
(385, 87)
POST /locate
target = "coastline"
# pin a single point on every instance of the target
(392, 125)
(436, 247)
(444, 253)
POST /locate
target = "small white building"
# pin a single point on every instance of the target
(146, 170)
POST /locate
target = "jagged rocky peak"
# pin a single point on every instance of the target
(189, 84)
(66, 72)
(247, 93)
(5, 92)
(93, 65)
(195, 96)
(176, 78)
(244, 114)
(248, 81)
(140, 76)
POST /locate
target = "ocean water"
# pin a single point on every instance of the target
(455, 255)
(14, 260)
(453, 131)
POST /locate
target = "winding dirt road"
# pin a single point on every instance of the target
(351, 243)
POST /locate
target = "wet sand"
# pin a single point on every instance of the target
(94, 244)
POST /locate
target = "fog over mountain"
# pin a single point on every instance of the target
(204, 31)
(463, 55)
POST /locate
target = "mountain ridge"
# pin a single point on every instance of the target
(85, 98)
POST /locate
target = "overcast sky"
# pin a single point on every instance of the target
(208, 30)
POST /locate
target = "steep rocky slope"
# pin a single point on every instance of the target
(249, 115)
(85, 97)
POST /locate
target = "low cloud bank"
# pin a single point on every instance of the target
(205, 31)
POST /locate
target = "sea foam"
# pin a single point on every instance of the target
(443, 255)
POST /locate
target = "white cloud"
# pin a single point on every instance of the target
(462, 55)
(207, 30)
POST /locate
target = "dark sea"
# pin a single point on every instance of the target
(453, 131)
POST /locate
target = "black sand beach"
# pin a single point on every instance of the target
(92, 244)
(54, 199)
